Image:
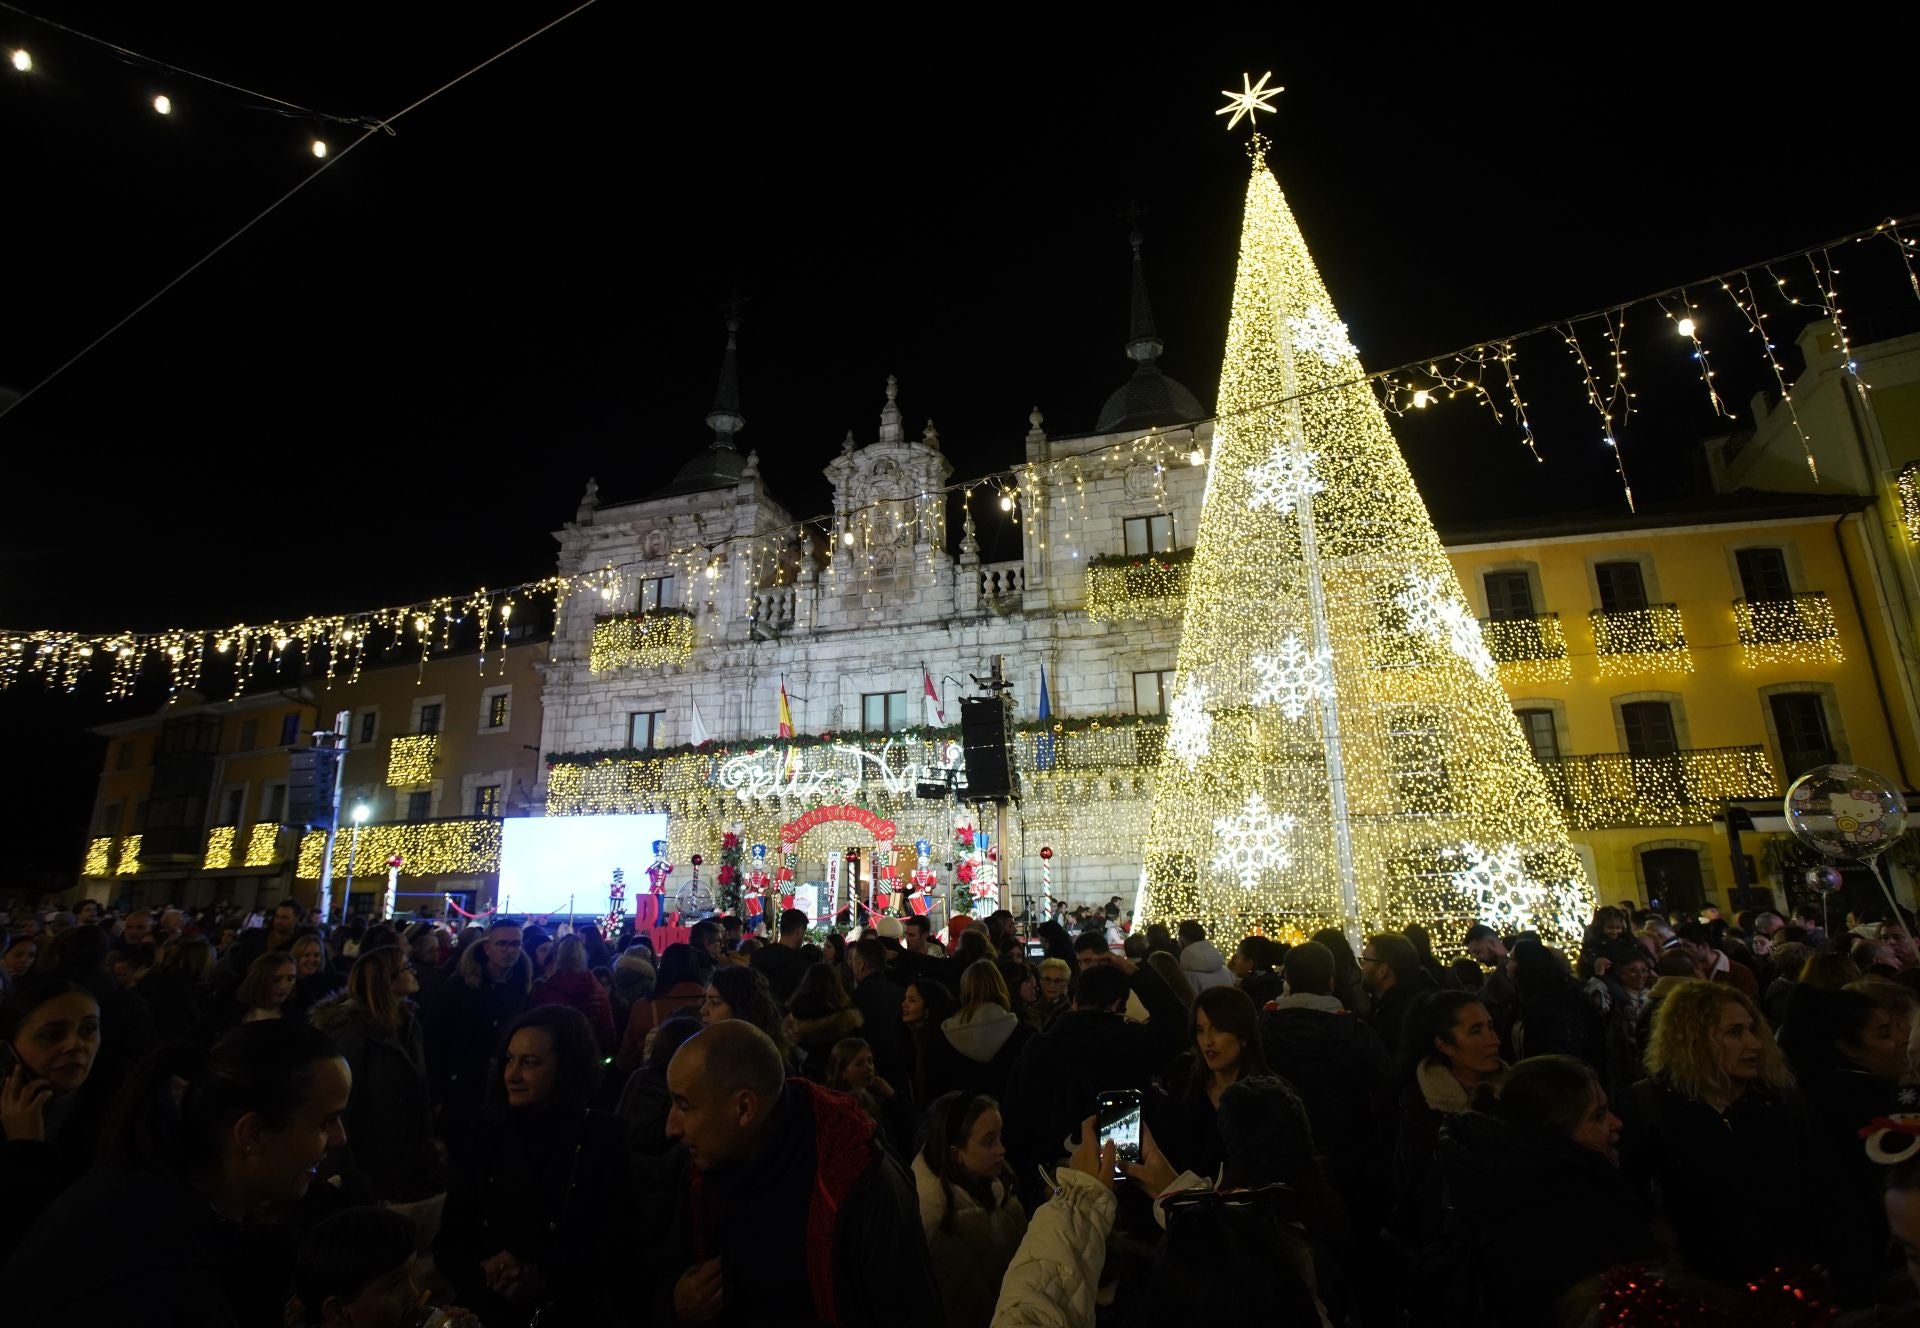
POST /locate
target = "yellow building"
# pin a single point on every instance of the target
(197, 801)
(1664, 664)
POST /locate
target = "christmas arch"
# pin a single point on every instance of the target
(885, 876)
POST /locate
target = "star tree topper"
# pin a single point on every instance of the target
(1250, 100)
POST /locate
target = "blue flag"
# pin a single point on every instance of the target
(1043, 742)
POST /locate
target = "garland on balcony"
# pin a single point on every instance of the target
(803, 741)
(1170, 558)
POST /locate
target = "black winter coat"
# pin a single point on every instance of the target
(390, 1114)
(1337, 1064)
(463, 1029)
(1557, 1020)
(1389, 1017)
(1535, 1215)
(878, 1002)
(35, 1172)
(1735, 1220)
(553, 1186)
(175, 1004)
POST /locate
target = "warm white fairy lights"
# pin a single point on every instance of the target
(1528, 649)
(219, 848)
(1284, 479)
(463, 847)
(1649, 640)
(1416, 750)
(1252, 842)
(641, 640)
(411, 758)
(1797, 630)
(1294, 679)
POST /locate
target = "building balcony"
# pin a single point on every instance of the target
(1615, 791)
(1907, 482)
(410, 759)
(1649, 640)
(1527, 649)
(1798, 629)
(259, 846)
(1002, 585)
(641, 640)
(458, 846)
(1154, 586)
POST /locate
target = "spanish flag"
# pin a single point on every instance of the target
(786, 712)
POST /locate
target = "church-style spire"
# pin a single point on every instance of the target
(1143, 342)
(725, 418)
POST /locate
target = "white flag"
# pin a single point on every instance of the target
(700, 735)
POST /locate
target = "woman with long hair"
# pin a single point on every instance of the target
(175, 989)
(1718, 1095)
(568, 982)
(851, 1070)
(536, 1212)
(969, 1212)
(314, 979)
(200, 1144)
(1552, 1016)
(924, 1006)
(978, 1044)
(263, 994)
(734, 992)
(822, 1013)
(390, 1116)
(1450, 1061)
(52, 1105)
(679, 989)
(1223, 1037)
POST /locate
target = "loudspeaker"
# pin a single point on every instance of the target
(986, 742)
(310, 776)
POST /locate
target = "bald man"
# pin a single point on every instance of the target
(769, 1154)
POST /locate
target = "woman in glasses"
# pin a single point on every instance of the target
(390, 1114)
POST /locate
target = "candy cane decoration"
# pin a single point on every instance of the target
(1046, 881)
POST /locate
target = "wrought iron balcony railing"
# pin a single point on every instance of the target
(1649, 640)
(1798, 629)
(1527, 649)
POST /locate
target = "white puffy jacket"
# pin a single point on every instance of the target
(1055, 1274)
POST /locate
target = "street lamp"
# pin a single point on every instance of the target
(359, 814)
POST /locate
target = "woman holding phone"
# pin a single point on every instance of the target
(49, 1038)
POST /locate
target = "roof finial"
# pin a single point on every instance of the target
(890, 430)
(1143, 340)
(589, 502)
(725, 418)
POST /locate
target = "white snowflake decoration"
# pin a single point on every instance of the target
(1498, 888)
(1253, 842)
(1189, 726)
(1284, 480)
(1436, 613)
(1319, 334)
(1295, 679)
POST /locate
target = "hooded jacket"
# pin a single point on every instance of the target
(1538, 1214)
(1204, 967)
(816, 1029)
(970, 1245)
(463, 1028)
(976, 1055)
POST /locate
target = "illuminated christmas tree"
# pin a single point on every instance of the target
(1339, 752)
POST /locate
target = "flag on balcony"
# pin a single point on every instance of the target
(936, 713)
(1043, 741)
(700, 735)
(786, 712)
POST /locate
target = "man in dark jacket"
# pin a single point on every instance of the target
(488, 991)
(1090, 1048)
(878, 1002)
(765, 1153)
(781, 963)
(1390, 967)
(1335, 1061)
(282, 929)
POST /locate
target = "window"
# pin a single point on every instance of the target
(429, 718)
(275, 805)
(290, 729)
(486, 800)
(883, 712)
(646, 729)
(1542, 736)
(1805, 740)
(1509, 596)
(107, 822)
(656, 592)
(497, 710)
(1150, 692)
(1649, 728)
(1763, 573)
(1621, 586)
(249, 735)
(369, 725)
(124, 756)
(1148, 534)
(230, 804)
(419, 805)
(140, 817)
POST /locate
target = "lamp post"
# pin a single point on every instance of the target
(360, 814)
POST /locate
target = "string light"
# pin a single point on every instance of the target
(99, 860)
(1649, 640)
(1908, 483)
(1796, 630)
(219, 848)
(163, 104)
(1756, 322)
(1612, 790)
(318, 147)
(21, 60)
(1132, 588)
(129, 860)
(641, 641)
(411, 758)
(1528, 649)
(464, 846)
(1411, 753)
(263, 844)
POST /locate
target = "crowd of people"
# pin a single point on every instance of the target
(395, 1123)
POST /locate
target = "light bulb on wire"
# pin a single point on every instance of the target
(1422, 398)
(319, 147)
(1006, 502)
(1685, 327)
(1197, 457)
(163, 104)
(21, 60)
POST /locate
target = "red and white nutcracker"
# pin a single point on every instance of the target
(753, 899)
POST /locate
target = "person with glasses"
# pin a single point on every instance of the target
(1390, 968)
(390, 1114)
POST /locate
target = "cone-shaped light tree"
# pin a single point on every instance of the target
(1338, 752)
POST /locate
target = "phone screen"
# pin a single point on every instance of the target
(1119, 1120)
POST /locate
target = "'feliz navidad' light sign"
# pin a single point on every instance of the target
(818, 774)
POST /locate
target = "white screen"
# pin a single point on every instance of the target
(545, 861)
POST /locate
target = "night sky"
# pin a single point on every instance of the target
(443, 336)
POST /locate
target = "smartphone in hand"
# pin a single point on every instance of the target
(1118, 1119)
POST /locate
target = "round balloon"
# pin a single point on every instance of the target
(1845, 811)
(1827, 880)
